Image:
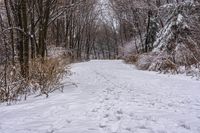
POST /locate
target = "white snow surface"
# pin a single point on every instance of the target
(110, 97)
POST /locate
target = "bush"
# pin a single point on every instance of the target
(177, 44)
(144, 61)
(12, 86)
(131, 59)
(45, 77)
(157, 62)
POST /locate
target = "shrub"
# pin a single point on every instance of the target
(45, 77)
(144, 61)
(12, 86)
(132, 58)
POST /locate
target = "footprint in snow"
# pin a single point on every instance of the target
(107, 99)
(94, 110)
(128, 129)
(101, 101)
(102, 125)
(184, 125)
(131, 114)
(119, 118)
(120, 111)
(106, 116)
(68, 121)
(142, 127)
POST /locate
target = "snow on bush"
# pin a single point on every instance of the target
(176, 45)
(144, 61)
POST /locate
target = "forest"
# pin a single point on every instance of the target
(40, 38)
(99, 66)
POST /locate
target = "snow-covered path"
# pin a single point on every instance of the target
(111, 97)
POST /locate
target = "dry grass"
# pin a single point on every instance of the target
(132, 59)
(45, 77)
(167, 66)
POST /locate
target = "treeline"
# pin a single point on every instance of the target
(163, 35)
(29, 29)
(139, 21)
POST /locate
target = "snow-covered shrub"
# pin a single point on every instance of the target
(144, 61)
(176, 44)
(12, 85)
(193, 70)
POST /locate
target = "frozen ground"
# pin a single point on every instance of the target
(111, 97)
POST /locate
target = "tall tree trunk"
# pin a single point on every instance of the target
(11, 31)
(25, 37)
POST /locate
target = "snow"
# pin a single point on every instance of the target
(110, 97)
(179, 19)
